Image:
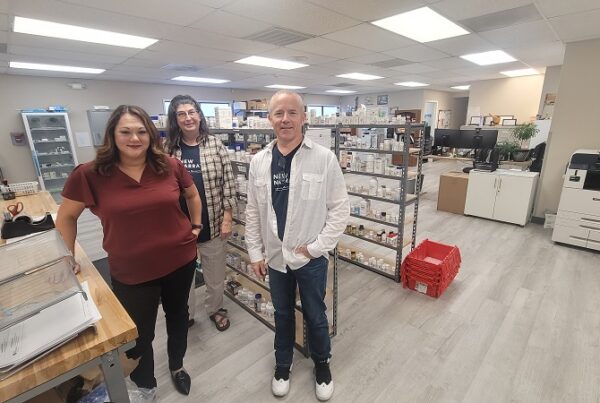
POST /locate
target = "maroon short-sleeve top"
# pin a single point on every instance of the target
(146, 235)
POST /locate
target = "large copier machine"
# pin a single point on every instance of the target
(578, 218)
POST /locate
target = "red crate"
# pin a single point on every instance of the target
(430, 268)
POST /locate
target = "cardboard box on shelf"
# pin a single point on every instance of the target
(398, 159)
(452, 192)
(257, 104)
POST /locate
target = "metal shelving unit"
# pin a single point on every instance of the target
(405, 201)
(263, 136)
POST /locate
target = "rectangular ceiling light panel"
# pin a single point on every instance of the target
(422, 25)
(200, 79)
(269, 62)
(341, 91)
(284, 87)
(461, 87)
(489, 58)
(411, 84)
(359, 76)
(76, 33)
(54, 67)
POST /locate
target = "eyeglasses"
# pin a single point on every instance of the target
(183, 114)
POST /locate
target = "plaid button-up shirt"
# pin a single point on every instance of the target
(219, 182)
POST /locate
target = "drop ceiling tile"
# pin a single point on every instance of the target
(548, 54)
(370, 37)
(3, 37)
(462, 45)
(197, 37)
(292, 14)
(178, 12)
(532, 32)
(228, 24)
(370, 58)
(65, 57)
(417, 53)
(440, 74)
(449, 63)
(169, 49)
(369, 10)
(142, 71)
(553, 8)
(417, 68)
(215, 3)
(328, 47)
(457, 10)
(4, 25)
(297, 56)
(69, 46)
(91, 17)
(577, 27)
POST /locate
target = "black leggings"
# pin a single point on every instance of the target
(141, 303)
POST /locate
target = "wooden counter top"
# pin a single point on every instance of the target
(115, 329)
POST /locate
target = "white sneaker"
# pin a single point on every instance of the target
(323, 381)
(280, 385)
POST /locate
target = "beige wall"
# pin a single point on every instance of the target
(551, 82)
(573, 125)
(518, 96)
(19, 92)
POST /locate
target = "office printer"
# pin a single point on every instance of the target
(578, 217)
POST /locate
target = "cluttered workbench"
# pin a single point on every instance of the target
(98, 346)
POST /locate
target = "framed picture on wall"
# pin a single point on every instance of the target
(509, 122)
(488, 121)
(505, 117)
(475, 121)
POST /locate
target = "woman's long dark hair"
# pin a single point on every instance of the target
(107, 156)
(174, 131)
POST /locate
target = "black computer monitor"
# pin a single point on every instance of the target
(477, 139)
(446, 137)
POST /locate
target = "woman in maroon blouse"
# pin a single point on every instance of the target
(134, 188)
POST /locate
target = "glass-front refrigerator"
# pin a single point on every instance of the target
(52, 149)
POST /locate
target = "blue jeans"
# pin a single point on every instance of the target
(312, 280)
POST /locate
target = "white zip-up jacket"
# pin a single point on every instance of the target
(318, 207)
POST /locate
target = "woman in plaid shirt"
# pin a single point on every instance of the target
(205, 157)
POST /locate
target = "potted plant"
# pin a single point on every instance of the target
(522, 134)
(506, 148)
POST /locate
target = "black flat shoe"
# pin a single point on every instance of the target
(182, 382)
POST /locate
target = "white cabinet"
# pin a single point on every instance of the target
(52, 149)
(501, 195)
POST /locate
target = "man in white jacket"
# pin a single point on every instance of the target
(297, 210)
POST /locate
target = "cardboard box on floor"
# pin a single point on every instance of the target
(452, 193)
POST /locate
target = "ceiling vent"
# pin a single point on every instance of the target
(3, 48)
(502, 19)
(386, 64)
(342, 85)
(278, 37)
(181, 67)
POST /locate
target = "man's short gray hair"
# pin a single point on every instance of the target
(286, 92)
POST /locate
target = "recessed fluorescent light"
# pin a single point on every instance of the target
(359, 76)
(461, 87)
(76, 33)
(421, 25)
(54, 67)
(487, 58)
(284, 87)
(411, 84)
(341, 91)
(200, 80)
(520, 72)
(273, 63)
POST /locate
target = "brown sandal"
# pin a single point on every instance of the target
(220, 320)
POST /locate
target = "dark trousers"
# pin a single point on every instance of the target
(312, 280)
(141, 303)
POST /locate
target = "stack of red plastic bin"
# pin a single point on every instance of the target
(430, 268)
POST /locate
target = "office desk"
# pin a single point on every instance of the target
(113, 334)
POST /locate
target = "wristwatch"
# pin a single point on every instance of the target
(197, 226)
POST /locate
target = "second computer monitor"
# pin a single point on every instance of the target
(478, 139)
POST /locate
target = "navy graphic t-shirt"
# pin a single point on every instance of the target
(281, 167)
(190, 157)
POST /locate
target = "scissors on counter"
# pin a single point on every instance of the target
(15, 209)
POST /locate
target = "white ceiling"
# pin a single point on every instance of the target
(209, 35)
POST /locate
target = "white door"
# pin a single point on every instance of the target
(512, 201)
(481, 194)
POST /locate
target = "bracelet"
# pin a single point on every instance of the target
(197, 226)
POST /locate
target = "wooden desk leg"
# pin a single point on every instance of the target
(113, 377)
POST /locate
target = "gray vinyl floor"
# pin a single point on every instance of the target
(520, 323)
